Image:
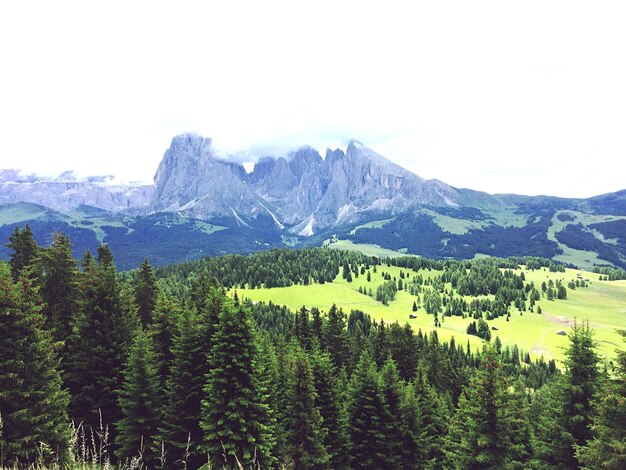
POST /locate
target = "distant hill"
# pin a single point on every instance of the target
(203, 205)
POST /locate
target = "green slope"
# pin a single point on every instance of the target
(603, 304)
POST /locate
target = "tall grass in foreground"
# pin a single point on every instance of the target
(89, 450)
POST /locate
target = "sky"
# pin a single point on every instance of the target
(504, 97)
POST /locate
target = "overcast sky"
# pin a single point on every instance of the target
(524, 97)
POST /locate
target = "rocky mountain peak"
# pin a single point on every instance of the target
(302, 190)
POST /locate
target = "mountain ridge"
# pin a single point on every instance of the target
(203, 204)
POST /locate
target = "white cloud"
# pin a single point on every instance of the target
(495, 96)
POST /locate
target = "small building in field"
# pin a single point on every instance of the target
(561, 332)
(412, 317)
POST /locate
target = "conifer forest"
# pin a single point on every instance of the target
(172, 367)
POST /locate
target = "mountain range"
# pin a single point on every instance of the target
(201, 204)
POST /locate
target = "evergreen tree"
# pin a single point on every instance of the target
(329, 402)
(25, 252)
(234, 418)
(336, 340)
(392, 394)
(33, 405)
(99, 349)
(302, 329)
(367, 414)
(607, 448)
(434, 416)
(146, 292)
(305, 432)
(162, 330)
(580, 386)
(552, 443)
(138, 399)
(482, 434)
(411, 452)
(317, 326)
(60, 289)
(180, 431)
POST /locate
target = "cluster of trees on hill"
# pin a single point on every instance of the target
(180, 373)
(418, 233)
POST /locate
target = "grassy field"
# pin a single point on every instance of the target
(602, 304)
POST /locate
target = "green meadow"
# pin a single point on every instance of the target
(602, 304)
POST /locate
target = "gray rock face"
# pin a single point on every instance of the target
(68, 192)
(191, 180)
(303, 191)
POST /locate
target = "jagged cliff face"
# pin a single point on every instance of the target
(67, 192)
(191, 180)
(303, 191)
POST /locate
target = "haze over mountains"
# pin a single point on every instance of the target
(202, 205)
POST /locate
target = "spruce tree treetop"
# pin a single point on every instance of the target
(146, 292)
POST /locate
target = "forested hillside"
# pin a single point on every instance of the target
(170, 368)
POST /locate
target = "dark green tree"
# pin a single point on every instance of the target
(368, 415)
(180, 433)
(552, 443)
(392, 390)
(607, 448)
(33, 406)
(162, 330)
(99, 349)
(302, 328)
(139, 401)
(329, 402)
(305, 431)
(60, 287)
(434, 416)
(146, 292)
(482, 434)
(234, 418)
(336, 339)
(25, 252)
(580, 386)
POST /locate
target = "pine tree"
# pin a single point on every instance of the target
(305, 432)
(482, 434)
(234, 418)
(25, 252)
(139, 401)
(411, 452)
(60, 289)
(329, 402)
(162, 330)
(180, 431)
(33, 405)
(392, 393)
(580, 386)
(434, 416)
(146, 292)
(317, 327)
(367, 415)
(336, 340)
(607, 448)
(552, 443)
(302, 329)
(99, 348)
